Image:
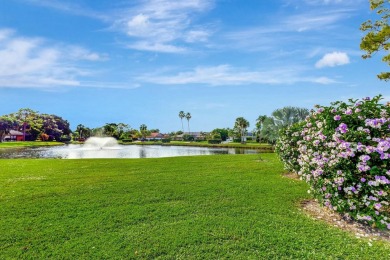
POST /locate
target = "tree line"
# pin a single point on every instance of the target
(266, 128)
(35, 126)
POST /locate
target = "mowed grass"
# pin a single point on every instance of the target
(262, 147)
(201, 207)
(28, 144)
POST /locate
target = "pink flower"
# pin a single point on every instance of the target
(337, 117)
(348, 112)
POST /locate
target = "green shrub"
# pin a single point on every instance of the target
(214, 141)
(166, 140)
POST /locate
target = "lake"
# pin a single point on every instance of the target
(73, 151)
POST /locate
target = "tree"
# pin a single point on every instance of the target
(6, 124)
(182, 115)
(143, 129)
(289, 115)
(223, 134)
(270, 130)
(55, 126)
(280, 119)
(378, 34)
(112, 130)
(188, 117)
(259, 125)
(29, 121)
(241, 125)
(123, 130)
(81, 130)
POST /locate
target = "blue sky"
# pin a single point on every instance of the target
(142, 61)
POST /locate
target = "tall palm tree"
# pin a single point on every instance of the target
(301, 113)
(289, 115)
(241, 125)
(182, 115)
(188, 117)
(143, 129)
(259, 125)
(80, 129)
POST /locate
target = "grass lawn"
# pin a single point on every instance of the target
(27, 144)
(201, 207)
(257, 146)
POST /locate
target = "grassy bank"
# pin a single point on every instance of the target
(255, 146)
(28, 144)
(203, 207)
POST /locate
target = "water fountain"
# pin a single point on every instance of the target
(101, 143)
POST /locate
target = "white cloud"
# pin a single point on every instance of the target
(223, 75)
(333, 59)
(197, 36)
(156, 47)
(34, 62)
(313, 21)
(74, 9)
(80, 53)
(161, 24)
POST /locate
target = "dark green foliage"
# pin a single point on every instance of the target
(214, 141)
(188, 138)
(222, 133)
(166, 140)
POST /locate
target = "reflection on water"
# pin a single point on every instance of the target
(121, 151)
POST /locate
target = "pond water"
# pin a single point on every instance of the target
(117, 151)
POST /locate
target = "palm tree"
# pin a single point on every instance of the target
(80, 129)
(301, 113)
(259, 125)
(182, 115)
(241, 125)
(143, 129)
(188, 117)
(289, 115)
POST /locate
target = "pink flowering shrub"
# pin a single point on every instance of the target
(287, 146)
(342, 151)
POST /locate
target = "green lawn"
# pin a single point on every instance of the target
(202, 207)
(252, 145)
(27, 144)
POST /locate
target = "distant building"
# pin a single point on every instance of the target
(196, 135)
(155, 137)
(14, 136)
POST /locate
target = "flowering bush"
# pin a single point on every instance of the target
(342, 151)
(287, 146)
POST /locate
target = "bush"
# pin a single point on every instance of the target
(127, 140)
(287, 146)
(342, 151)
(166, 140)
(187, 137)
(237, 140)
(65, 138)
(214, 141)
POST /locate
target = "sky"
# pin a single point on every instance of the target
(137, 62)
